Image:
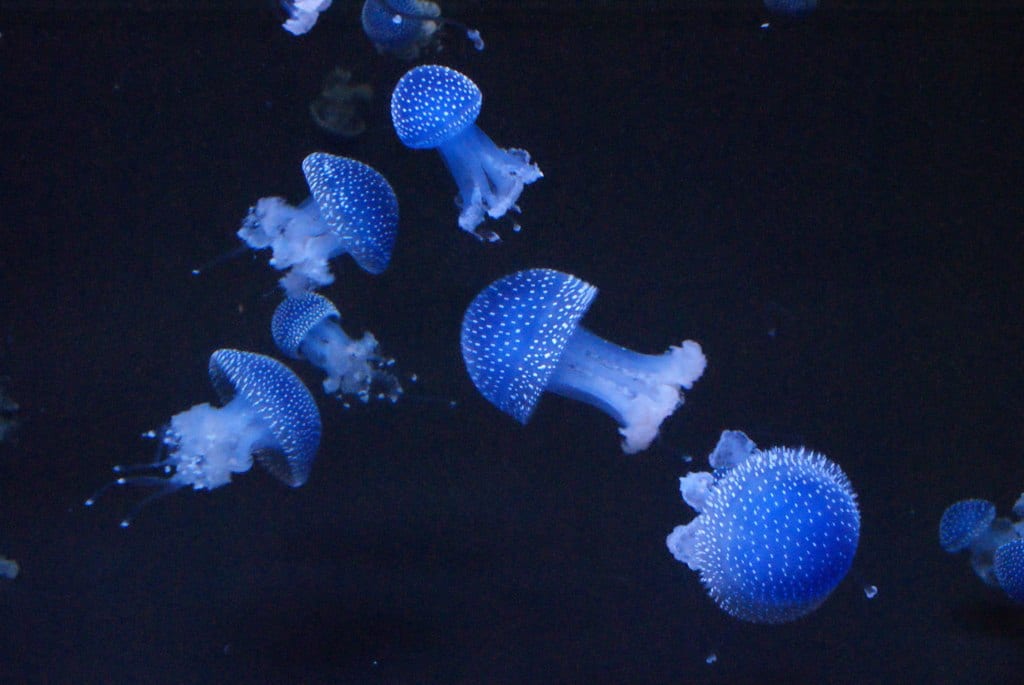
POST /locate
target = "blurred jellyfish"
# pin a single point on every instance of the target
(8, 568)
(8, 415)
(436, 107)
(268, 414)
(352, 209)
(775, 533)
(308, 327)
(405, 28)
(302, 14)
(521, 337)
(341, 105)
(793, 8)
(971, 525)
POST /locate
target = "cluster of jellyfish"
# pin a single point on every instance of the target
(775, 530)
(995, 544)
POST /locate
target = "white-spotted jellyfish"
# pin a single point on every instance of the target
(351, 209)
(776, 529)
(405, 28)
(267, 415)
(436, 107)
(995, 545)
(308, 327)
(521, 337)
(302, 14)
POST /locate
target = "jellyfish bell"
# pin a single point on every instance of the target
(971, 525)
(407, 28)
(267, 415)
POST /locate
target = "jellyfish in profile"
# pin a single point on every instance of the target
(776, 529)
(302, 14)
(971, 526)
(521, 336)
(352, 209)
(405, 28)
(437, 107)
(267, 414)
(341, 105)
(308, 327)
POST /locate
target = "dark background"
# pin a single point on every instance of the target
(832, 207)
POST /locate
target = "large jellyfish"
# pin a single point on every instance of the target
(995, 545)
(308, 327)
(267, 414)
(521, 336)
(404, 28)
(302, 14)
(776, 529)
(436, 107)
(352, 209)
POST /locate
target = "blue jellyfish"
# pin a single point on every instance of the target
(521, 336)
(302, 14)
(971, 525)
(404, 28)
(436, 107)
(267, 414)
(351, 208)
(308, 327)
(1008, 565)
(775, 533)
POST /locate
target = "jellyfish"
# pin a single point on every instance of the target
(436, 107)
(1008, 565)
(340, 106)
(405, 28)
(8, 415)
(8, 568)
(793, 8)
(302, 14)
(521, 336)
(776, 530)
(308, 327)
(971, 525)
(267, 414)
(352, 209)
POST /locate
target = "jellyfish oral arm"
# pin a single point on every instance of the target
(637, 390)
(351, 365)
(490, 179)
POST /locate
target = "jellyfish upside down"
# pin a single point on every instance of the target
(776, 529)
(995, 545)
(405, 28)
(308, 327)
(267, 414)
(521, 337)
(437, 107)
(351, 209)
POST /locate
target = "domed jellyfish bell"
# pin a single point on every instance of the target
(971, 525)
(1008, 565)
(267, 414)
(521, 336)
(351, 209)
(302, 14)
(405, 28)
(308, 327)
(437, 107)
(776, 529)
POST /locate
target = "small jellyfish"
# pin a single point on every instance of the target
(302, 14)
(436, 107)
(971, 525)
(8, 415)
(308, 327)
(268, 414)
(341, 105)
(352, 209)
(521, 336)
(9, 568)
(775, 532)
(1008, 564)
(793, 8)
(405, 28)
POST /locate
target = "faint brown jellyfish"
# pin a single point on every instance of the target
(341, 105)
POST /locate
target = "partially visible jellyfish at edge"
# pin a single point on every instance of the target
(352, 209)
(341, 106)
(309, 327)
(302, 14)
(521, 337)
(267, 415)
(436, 107)
(406, 28)
(776, 530)
(994, 544)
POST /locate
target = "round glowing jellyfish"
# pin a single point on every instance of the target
(405, 28)
(437, 107)
(351, 209)
(521, 337)
(971, 525)
(308, 327)
(268, 414)
(776, 530)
